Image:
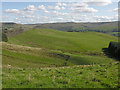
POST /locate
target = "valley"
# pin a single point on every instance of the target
(48, 58)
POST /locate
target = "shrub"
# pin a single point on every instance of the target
(114, 49)
(4, 37)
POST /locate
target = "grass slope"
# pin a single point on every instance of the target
(65, 41)
(23, 56)
(36, 59)
(98, 76)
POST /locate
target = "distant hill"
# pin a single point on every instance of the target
(110, 28)
(70, 26)
(103, 27)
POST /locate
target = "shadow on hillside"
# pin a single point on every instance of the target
(109, 54)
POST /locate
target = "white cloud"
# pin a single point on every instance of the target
(61, 4)
(16, 18)
(115, 17)
(59, 13)
(60, 18)
(64, 14)
(11, 11)
(62, 8)
(81, 8)
(98, 2)
(26, 11)
(54, 7)
(46, 11)
(84, 10)
(41, 7)
(28, 16)
(115, 10)
(5, 18)
(64, 4)
(76, 12)
(103, 18)
(80, 5)
(30, 8)
(55, 12)
(45, 17)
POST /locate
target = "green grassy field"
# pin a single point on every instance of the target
(38, 58)
(98, 76)
(65, 41)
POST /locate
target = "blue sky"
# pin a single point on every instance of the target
(50, 12)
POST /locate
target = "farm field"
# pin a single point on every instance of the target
(46, 58)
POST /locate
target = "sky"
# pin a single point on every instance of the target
(52, 12)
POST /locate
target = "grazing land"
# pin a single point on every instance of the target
(47, 58)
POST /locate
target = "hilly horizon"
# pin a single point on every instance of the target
(110, 28)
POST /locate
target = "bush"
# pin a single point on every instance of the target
(4, 37)
(114, 49)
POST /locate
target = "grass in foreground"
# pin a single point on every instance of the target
(97, 76)
(25, 67)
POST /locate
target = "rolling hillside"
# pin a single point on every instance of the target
(38, 57)
(46, 58)
(28, 67)
(64, 41)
